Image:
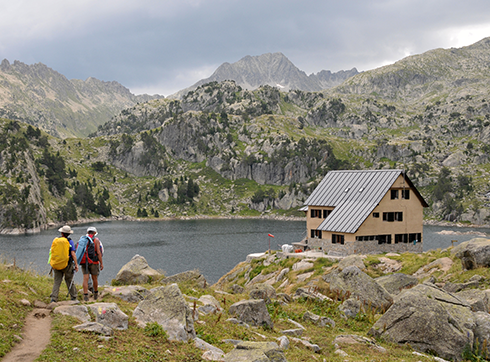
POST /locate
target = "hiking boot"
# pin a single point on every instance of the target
(96, 295)
(53, 301)
(73, 298)
(85, 297)
(91, 290)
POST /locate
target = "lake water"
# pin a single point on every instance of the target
(214, 246)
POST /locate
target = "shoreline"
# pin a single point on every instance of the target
(52, 225)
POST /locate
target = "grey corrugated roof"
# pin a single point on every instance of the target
(354, 195)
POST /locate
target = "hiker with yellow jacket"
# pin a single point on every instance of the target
(63, 261)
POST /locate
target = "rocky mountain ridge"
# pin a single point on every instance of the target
(42, 97)
(273, 69)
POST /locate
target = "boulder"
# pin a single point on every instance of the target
(430, 320)
(109, 315)
(314, 347)
(303, 264)
(137, 271)
(80, 312)
(357, 284)
(474, 253)
(187, 276)
(352, 260)
(237, 289)
(214, 353)
(256, 352)
(94, 327)
(457, 287)
(252, 311)
(262, 291)
(350, 307)
(477, 299)
(482, 330)
(130, 293)
(395, 283)
(166, 306)
(318, 320)
(210, 300)
(441, 264)
(310, 293)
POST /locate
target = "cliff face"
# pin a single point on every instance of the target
(42, 97)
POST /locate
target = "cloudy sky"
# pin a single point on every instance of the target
(162, 46)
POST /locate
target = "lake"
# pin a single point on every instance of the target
(214, 246)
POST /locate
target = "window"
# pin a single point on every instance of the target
(316, 234)
(376, 214)
(384, 239)
(392, 216)
(326, 213)
(413, 238)
(394, 194)
(316, 213)
(406, 194)
(337, 239)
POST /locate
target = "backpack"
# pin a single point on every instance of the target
(59, 253)
(86, 250)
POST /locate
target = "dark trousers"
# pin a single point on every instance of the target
(68, 273)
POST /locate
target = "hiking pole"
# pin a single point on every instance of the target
(71, 284)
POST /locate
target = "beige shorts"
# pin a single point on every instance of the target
(92, 269)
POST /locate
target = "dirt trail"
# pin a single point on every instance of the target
(36, 334)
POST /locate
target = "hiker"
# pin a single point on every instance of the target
(63, 262)
(91, 262)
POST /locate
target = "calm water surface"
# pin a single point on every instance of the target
(173, 246)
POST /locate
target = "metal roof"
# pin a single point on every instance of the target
(353, 194)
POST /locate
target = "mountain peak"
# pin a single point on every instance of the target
(274, 69)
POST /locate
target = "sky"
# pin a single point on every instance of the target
(163, 46)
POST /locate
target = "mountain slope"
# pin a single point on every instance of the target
(45, 98)
(273, 69)
(432, 76)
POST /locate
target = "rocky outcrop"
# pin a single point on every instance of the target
(430, 320)
(474, 253)
(397, 282)
(167, 306)
(253, 311)
(137, 271)
(109, 315)
(354, 283)
(256, 352)
(130, 293)
(192, 276)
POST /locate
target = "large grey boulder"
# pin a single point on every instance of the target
(256, 352)
(80, 312)
(474, 253)
(252, 311)
(109, 315)
(137, 271)
(353, 282)
(166, 306)
(262, 291)
(430, 320)
(395, 283)
(129, 293)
